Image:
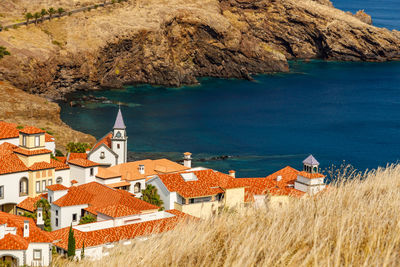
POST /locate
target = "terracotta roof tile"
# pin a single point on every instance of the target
(105, 140)
(41, 166)
(27, 152)
(8, 130)
(72, 156)
(130, 171)
(13, 242)
(100, 197)
(62, 159)
(83, 163)
(9, 162)
(36, 235)
(58, 165)
(57, 187)
(29, 202)
(126, 232)
(208, 183)
(48, 138)
(31, 130)
(119, 184)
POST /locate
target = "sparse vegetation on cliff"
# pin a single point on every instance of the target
(3, 52)
(354, 223)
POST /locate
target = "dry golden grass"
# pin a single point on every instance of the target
(355, 223)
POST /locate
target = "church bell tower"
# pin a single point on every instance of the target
(119, 140)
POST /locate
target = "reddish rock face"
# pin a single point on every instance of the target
(173, 43)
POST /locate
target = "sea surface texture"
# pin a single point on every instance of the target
(335, 111)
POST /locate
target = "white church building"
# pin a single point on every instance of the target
(112, 149)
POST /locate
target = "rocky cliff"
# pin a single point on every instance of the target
(175, 42)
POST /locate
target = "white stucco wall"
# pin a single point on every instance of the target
(65, 215)
(109, 157)
(82, 175)
(142, 187)
(108, 181)
(11, 187)
(65, 176)
(18, 254)
(169, 198)
(14, 141)
(51, 146)
(46, 254)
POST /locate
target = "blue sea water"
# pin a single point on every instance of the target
(336, 111)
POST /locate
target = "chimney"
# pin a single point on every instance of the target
(232, 173)
(187, 159)
(278, 178)
(39, 218)
(26, 228)
(141, 169)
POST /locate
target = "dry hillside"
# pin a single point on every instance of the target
(173, 42)
(355, 223)
(26, 109)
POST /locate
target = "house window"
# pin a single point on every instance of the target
(37, 187)
(44, 186)
(43, 173)
(56, 212)
(74, 217)
(102, 155)
(91, 171)
(49, 173)
(38, 175)
(118, 146)
(37, 254)
(57, 222)
(51, 199)
(23, 140)
(37, 141)
(137, 188)
(23, 186)
(59, 180)
(50, 182)
(1, 191)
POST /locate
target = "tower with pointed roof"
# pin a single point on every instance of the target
(119, 139)
(310, 180)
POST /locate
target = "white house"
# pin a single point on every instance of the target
(102, 202)
(22, 243)
(83, 170)
(100, 237)
(112, 149)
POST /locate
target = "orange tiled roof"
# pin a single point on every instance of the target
(62, 159)
(74, 182)
(269, 184)
(105, 140)
(48, 138)
(27, 152)
(311, 175)
(125, 232)
(119, 184)
(41, 166)
(208, 183)
(83, 163)
(57, 187)
(17, 242)
(29, 202)
(9, 162)
(8, 130)
(130, 171)
(31, 130)
(99, 197)
(107, 173)
(58, 165)
(72, 156)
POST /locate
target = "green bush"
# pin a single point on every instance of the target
(77, 147)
